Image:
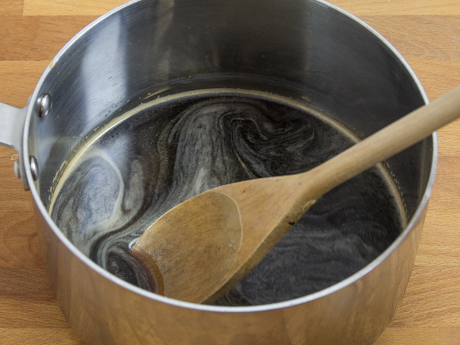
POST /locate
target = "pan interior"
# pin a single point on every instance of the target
(145, 161)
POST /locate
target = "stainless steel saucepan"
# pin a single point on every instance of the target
(307, 51)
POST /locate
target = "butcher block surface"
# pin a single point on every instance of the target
(426, 32)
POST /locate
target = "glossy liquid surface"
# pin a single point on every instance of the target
(144, 163)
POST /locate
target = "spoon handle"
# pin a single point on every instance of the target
(385, 143)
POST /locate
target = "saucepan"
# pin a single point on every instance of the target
(158, 100)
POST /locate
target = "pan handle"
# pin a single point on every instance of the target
(11, 125)
(11, 131)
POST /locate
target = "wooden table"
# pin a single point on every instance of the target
(426, 32)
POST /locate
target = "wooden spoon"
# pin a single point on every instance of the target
(200, 249)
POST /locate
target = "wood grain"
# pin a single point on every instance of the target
(413, 36)
(357, 7)
(19, 75)
(426, 32)
(420, 335)
(68, 7)
(19, 247)
(39, 336)
(37, 38)
(400, 7)
(432, 299)
(11, 8)
(33, 309)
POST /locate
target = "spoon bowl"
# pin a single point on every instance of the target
(178, 273)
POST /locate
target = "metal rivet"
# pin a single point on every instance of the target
(34, 167)
(43, 105)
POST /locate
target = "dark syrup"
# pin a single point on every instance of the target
(141, 165)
